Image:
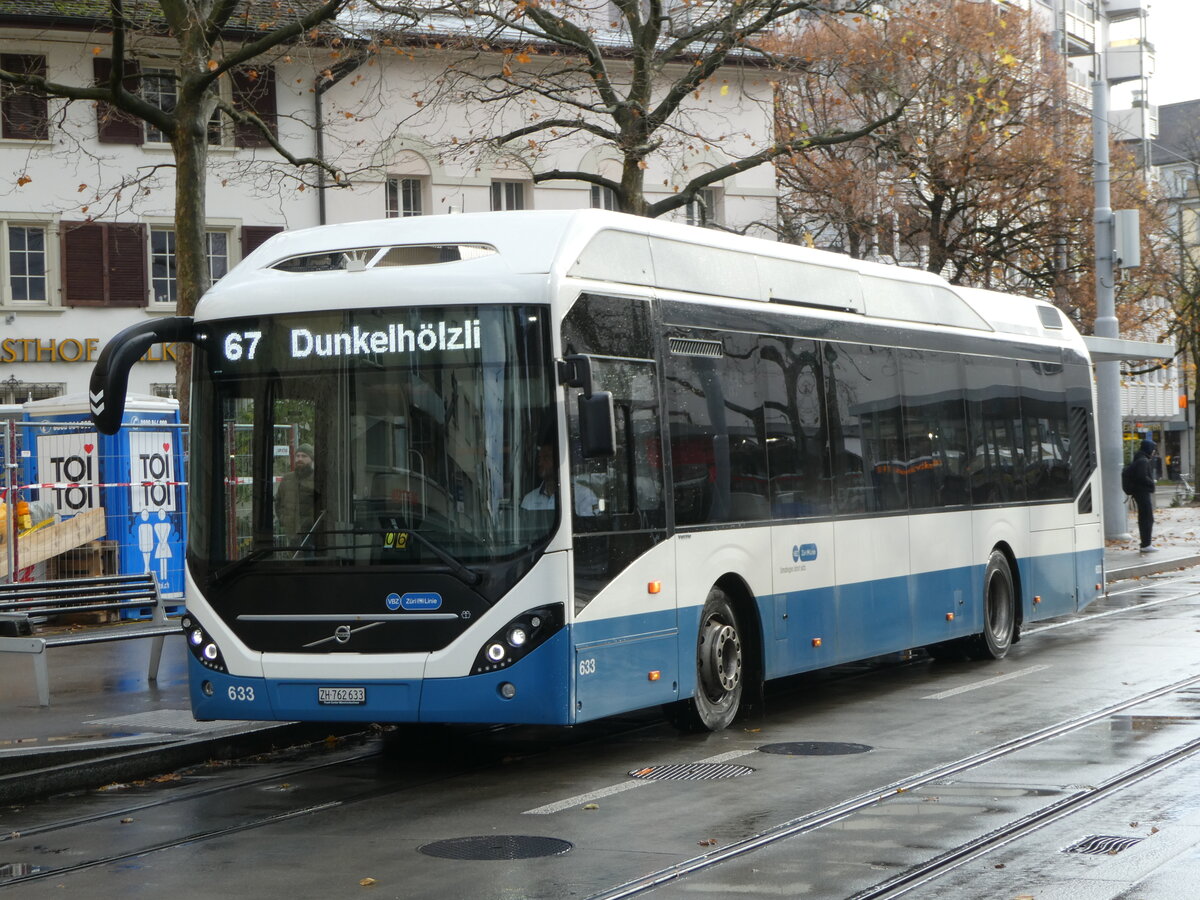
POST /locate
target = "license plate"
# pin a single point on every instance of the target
(341, 696)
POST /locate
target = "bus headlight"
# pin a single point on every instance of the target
(201, 645)
(517, 638)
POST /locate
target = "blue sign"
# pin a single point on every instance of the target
(808, 552)
(414, 602)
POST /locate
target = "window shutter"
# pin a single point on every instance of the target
(254, 235)
(82, 263)
(25, 111)
(113, 125)
(104, 264)
(254, 91)
(127, 265)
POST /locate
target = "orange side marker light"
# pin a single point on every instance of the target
(654, 675)
(816, 642)
(654, 587)
(949, 617)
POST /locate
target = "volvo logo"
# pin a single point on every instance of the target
(342, 634)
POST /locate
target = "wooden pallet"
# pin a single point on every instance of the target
(48, 542)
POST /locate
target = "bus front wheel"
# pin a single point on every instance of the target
(720, 667)
(999, 611)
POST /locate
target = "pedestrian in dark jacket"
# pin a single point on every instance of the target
(1143, 483)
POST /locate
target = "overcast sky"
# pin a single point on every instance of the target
(1174, 30)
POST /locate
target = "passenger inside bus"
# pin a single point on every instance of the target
(296, 497)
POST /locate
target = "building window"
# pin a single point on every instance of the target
(158, 89)
(25, 250)
(24, 111)
(702, 208)
(604, 198)
(404, 197)
(13, 390)
(162, 261)
(165, 389)
(508, 195)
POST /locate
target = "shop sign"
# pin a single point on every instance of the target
(69, 350)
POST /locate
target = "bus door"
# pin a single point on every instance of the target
(625, 621)
(1044, 440)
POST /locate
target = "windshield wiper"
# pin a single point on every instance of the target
(238, 564)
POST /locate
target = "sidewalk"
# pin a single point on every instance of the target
(107, 724)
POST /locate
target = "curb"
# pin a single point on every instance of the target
(1151, 568)
(56, 772)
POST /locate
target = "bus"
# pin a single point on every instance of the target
(771, 459)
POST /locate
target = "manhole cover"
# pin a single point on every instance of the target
(1101, 844)
(814, 748)
(691, 771)
(497, 846)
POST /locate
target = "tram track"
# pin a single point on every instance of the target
(829, 815)
(932, 869)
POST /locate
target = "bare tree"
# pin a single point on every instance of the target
(634, 76)
(211, 39)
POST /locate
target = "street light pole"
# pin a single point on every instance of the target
(1108, 374)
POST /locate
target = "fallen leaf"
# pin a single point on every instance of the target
(592, 806)
(127, 820)
(367, 882)
(709, 842)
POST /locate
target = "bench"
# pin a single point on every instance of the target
(24, 603)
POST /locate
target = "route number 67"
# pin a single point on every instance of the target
(234, 347)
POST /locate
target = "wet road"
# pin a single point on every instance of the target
(847, 784)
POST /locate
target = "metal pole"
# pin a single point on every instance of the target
(10, 500)
(1108, 374)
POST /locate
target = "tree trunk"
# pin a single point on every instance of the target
(191, 247)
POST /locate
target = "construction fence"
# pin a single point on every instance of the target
(76, 503)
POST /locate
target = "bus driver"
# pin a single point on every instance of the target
(545, 495)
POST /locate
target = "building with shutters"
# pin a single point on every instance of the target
(86, 217)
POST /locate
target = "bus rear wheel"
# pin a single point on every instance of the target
(999, 611)
(720, 668)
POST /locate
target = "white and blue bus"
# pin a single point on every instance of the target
(770, 460)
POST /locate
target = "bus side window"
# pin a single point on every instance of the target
(795, 427)
(994, 463)
(867, 447)
(935, 429)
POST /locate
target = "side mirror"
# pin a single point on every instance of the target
(597, 430)
(110, 375)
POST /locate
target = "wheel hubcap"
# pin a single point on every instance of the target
(721, 668)
(999, 607)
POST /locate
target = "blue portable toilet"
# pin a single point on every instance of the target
(135, 474)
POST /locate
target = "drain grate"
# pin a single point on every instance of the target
(814, 748)
(1102, 844)
(497, 846)
(691, 771)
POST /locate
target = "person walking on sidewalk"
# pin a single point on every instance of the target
(1143, 483)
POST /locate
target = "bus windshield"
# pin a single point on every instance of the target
(370, 437)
